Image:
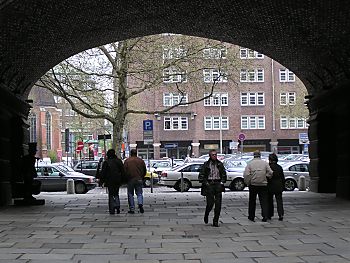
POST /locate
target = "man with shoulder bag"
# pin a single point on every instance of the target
(213, 176)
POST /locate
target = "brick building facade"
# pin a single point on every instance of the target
(262, 99)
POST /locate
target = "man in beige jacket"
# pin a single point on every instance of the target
(255, 176)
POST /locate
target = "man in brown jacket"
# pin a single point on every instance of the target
(135, 169)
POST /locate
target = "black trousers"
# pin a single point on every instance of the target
(279, 202)
(261, 192)
(214, 197)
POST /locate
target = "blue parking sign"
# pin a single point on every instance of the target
(148, 125)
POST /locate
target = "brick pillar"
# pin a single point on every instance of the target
(156, 150)
(195, 149)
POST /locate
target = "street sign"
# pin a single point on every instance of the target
(148, 141)
(170, 145)
(80, 145)
(241, 137)
(148, 125)
(233, 145)
(104, 136)
(303, 138)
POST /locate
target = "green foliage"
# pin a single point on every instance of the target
(52, 155)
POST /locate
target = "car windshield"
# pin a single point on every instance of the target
(64, 168)
(235, 164)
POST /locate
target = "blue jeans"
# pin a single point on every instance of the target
(135, 186)
(113, 198)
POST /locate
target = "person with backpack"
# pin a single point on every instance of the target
(112, 175)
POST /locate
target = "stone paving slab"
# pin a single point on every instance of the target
(78, 228)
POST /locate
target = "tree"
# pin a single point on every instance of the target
(101, 83)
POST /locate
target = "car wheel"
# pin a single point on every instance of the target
(237, 185)
(186, 186)
(147, 182)
(80, 188)
(290, 185)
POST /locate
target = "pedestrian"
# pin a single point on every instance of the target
(29, 173)
(98, 171)
(112, 175)
(213, 176)
(275, 187)
(135, 169)
(255, 176)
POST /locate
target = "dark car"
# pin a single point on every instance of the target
(53, 178)
(87, 167)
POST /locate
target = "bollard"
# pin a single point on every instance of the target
(302, 183)
(70, 186)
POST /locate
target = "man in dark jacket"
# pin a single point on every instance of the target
(275, 187)
(213, 176)
(135, 169)
(112, 175)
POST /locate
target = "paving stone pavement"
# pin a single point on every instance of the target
(78, 228)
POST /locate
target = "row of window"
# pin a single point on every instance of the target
(33, 126)
(180, 51)
(173, 75)
(221, 99)
(248, 122)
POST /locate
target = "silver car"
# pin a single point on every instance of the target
(293, 171)
(53, 178)
(189, 173)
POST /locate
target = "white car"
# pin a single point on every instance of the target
(292, 171)
(157, 166)
(190, 171)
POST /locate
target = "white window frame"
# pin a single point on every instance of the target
(171, 75)
(215, 53)
(285, 75)
(246, 53)
(247, 97)
(176, 123)
(212, 123)
(287, 98)
(174, 52)
(287, 122)
(252, 75)
(215, 98)
(253, 122)
(210, 75)
(171, 99)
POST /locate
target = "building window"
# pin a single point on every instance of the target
(214, 99)
(292, 123)
(174, 52)
(246, 53)
(215, 53)
(175, 123)
(286, 75)
(251, 122)
(252, 75)
(48, 122)
(252, 99)
(171, 99)
(216, 123)
(214, 75)
(287, 98)
(172, 75)
(32, 128)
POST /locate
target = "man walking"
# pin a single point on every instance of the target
(135, 169)
(213, 176)
(112, 174)
(255, 176)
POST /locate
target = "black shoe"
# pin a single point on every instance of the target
(112, 213)
(141, 209)
(269, 218)
(251, 219)
(280, 218)
(118, 211)
(215, 224)
(264, 219)
(131, 212)
(206, 219)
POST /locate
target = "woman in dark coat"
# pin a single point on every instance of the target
(275, 187)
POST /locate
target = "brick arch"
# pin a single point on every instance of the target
(309, 37)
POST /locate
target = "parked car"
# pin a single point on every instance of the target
(235, 165)
(53, 178)
(190, 172)
(147, 180)
(157, 166)
(86, 167)
(292, 172)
